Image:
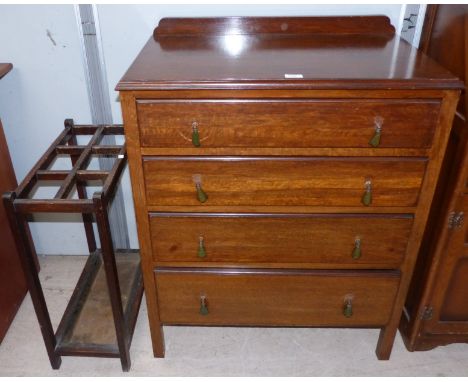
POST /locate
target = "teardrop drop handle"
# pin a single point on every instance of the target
(357, 249)
(203, 306)
(348, 308)
(195, 135)
(375, 140)
(367, 196)
(201, 247)
(202, 197)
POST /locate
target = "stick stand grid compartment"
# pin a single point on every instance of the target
(100, 318)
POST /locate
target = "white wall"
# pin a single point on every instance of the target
(48, 85)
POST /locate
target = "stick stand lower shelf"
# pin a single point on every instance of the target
(85, 326)
(100, 318)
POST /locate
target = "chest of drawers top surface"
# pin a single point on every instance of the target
(252, 52)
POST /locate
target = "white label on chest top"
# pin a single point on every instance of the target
(287, 75)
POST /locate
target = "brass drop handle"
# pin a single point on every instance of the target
(367, 196)
(195, 135)
(201, 195)
(201, 247)
(357, 249)
(203, 306)
(375, 140)
(348, 307)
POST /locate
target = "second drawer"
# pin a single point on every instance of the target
(374, 241)
(283, 181)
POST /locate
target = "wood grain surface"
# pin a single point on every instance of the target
(270, 144)
(254, 238)
(237, 57)
(362, 25)
(282, 123)
(439, 281)
(276, 298)
(287, 181)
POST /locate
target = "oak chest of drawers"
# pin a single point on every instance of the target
(282, 170)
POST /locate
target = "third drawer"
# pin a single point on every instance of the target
(334, 240)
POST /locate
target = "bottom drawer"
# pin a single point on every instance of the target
(275, 297)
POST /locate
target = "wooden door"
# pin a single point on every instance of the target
(437, 304)
(447, 304)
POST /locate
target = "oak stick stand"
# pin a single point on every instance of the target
(100, 318)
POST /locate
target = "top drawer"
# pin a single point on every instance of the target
(287, 123)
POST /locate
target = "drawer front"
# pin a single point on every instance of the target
(301, 298)
(235, 181)
(296, 123)
(335, 240)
